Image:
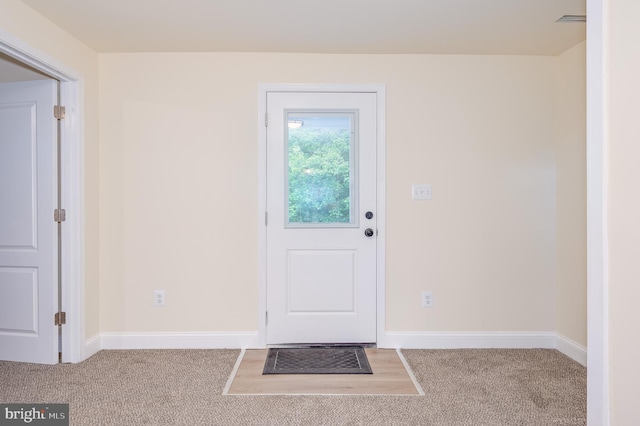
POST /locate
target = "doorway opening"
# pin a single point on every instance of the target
(321, 203)
(31, 65)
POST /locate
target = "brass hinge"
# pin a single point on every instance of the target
(59, 112)
(59, 215)
(60, 318)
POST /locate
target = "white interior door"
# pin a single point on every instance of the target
(321, 209)
(28, 233)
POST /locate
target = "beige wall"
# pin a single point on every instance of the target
(178, 182)
(624, 209)
(176, 176)
(571, 194)
(31, 28)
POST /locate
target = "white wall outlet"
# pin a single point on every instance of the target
(427, 299)
(421, 192)
(158, 298)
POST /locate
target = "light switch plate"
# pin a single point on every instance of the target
(421, 192)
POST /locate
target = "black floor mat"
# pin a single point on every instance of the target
(317, 360)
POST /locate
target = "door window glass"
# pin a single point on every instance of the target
(321, 153)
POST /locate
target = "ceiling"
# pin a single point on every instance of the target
(511, 27)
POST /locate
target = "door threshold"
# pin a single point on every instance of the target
(321, 345)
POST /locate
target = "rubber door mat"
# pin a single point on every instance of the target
(317, 360)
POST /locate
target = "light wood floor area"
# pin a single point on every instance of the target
(389, 377)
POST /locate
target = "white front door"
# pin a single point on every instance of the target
(28, 233)
(321, 214)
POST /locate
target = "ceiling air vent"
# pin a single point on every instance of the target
(573, 18)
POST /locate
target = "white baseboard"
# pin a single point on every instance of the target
(392, 339)
(572, 349)
(184, 340)
(92, 346)
(469, 340)
(480, 340)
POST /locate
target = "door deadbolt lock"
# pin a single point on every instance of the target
(368, 215)
(369, 232)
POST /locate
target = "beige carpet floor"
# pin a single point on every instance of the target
(184, 387)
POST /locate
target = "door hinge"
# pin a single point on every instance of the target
(59, 215)
(59, 112)
(60, 318)
(266, 120)
(266, 318)
(266, 218)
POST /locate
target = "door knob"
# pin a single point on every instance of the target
(368, 232)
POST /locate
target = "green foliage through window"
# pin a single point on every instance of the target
(319, 175)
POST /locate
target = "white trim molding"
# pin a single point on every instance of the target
(394, 340)
(598, 390)
(180, 340)
(92, 346)
(572, 349)
(486, 340)
(469, 340)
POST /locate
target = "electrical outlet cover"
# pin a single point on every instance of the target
(158, 298)
(427, 299)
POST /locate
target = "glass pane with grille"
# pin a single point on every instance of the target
(320, 169)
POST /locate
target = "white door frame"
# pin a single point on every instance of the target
(72, 182)
(379, 90)
(598, 397)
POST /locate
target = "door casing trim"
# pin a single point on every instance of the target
(379, 90)
(72, 182)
